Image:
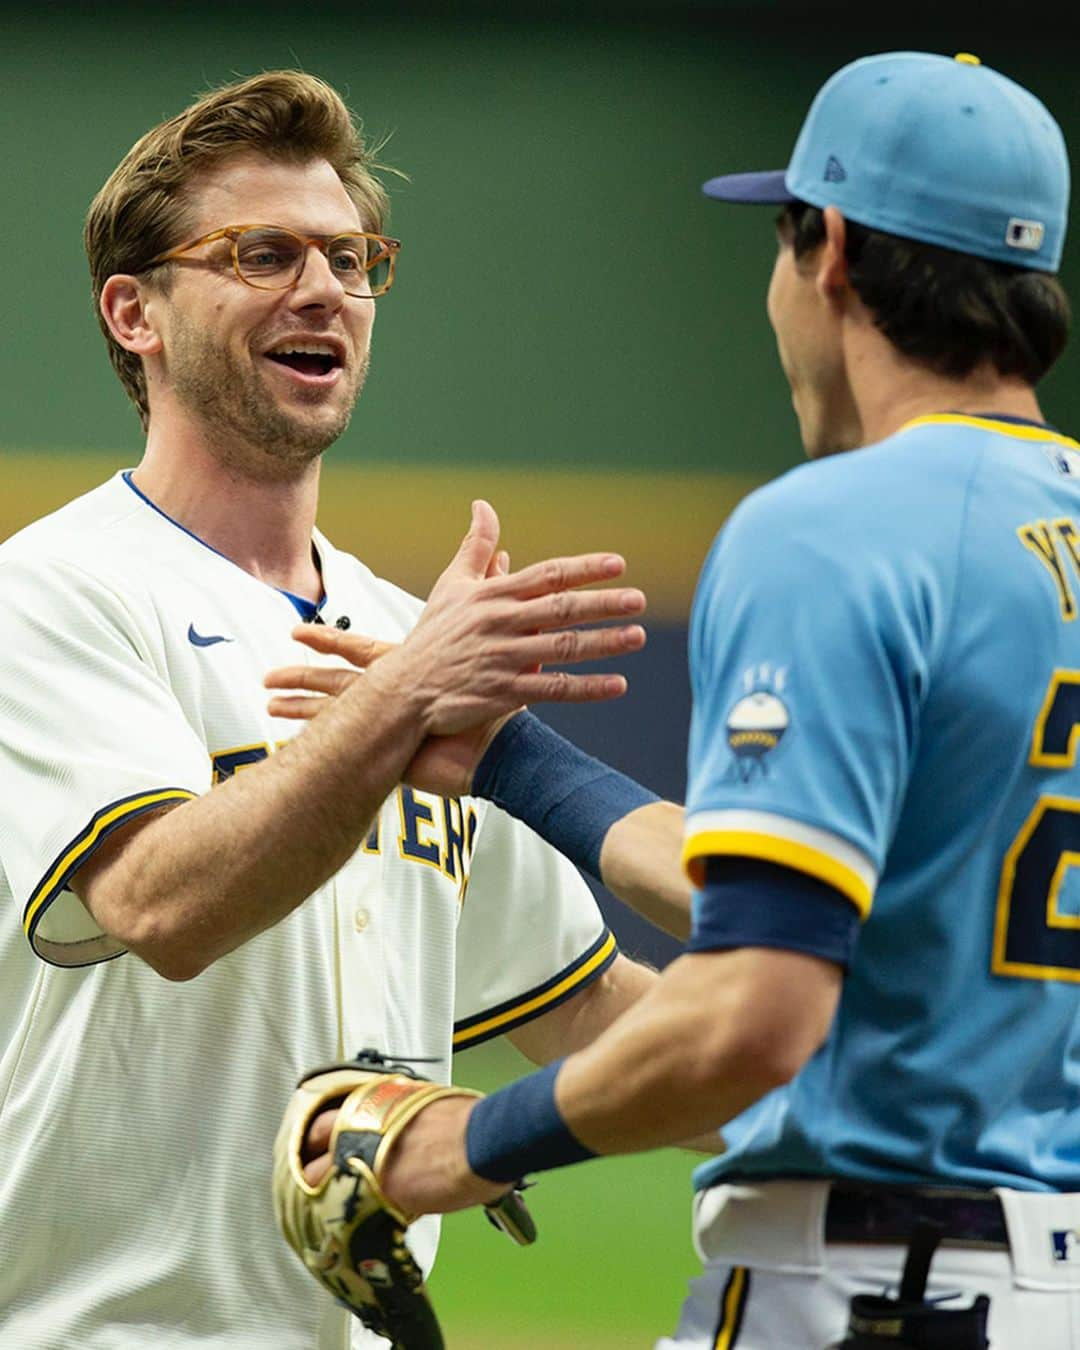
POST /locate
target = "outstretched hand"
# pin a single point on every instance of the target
(320, 683)
(481, 644)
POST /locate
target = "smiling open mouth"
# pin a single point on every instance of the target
(307, 358)
(305, 364)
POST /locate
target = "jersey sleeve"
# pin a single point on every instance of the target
(812, 639)
(530, 936)
(91, 737)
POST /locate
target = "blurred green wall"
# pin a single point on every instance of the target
(569, 307)
(566, 296)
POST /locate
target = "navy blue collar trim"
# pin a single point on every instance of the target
(307, 609)
(1016, 421)
(130, 481)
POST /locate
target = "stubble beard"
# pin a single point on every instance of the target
(248, 429)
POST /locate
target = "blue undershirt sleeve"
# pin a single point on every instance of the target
(749, 903)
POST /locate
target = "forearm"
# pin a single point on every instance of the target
(637, 982)
(581, 1019)
(205, 877)
(640, 863)
(611, 826)
(667, 1070)
(683, 1061)
(717, 1032)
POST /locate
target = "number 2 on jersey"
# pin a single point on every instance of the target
(1033, 937)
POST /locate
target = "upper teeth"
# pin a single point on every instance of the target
(304, 349)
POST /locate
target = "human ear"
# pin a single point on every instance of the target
(125, 308)
(832, 269)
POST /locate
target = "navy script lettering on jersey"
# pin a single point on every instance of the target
(1056, 544)
(436, 831)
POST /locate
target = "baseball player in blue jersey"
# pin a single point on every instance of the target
(879, 1001)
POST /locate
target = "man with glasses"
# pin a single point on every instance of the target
(269, 904)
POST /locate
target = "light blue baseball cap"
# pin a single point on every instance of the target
(943, 150)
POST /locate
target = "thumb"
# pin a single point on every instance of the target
(477, 549)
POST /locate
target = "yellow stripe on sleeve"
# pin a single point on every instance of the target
(772, 848)
(84, 845)
(534, 1006)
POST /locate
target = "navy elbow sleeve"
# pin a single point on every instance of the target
(749, 903)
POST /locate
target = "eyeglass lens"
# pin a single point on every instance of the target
(272, 259)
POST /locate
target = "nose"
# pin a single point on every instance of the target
(317, 284)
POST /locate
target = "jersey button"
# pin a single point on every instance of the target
(361, 919)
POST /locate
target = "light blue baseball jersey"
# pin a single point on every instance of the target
(885, 656)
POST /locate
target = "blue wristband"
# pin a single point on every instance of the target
(566, 796)
(519, 1130)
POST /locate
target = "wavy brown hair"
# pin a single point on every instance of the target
(143, 208)
(949, 311)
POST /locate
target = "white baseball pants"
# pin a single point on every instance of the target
(773, 1282)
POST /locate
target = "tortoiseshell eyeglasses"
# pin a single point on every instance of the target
(271, 258)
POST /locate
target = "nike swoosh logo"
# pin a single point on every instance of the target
(197, 639)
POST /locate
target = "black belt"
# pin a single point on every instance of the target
(858, 1212)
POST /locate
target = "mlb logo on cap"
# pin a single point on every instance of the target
(946, 151)
(1026, 234)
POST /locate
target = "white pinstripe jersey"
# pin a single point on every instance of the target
(137, 1116)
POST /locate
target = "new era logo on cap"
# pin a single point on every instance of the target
(835, 171)
(1025, 234)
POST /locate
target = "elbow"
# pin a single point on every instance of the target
(779, 1062)
(172, 961)
(757, 1060)
(161, 943)
(759, 1014)
(760, 1070)
(175, 966)
(147, 905)
(166, 947)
